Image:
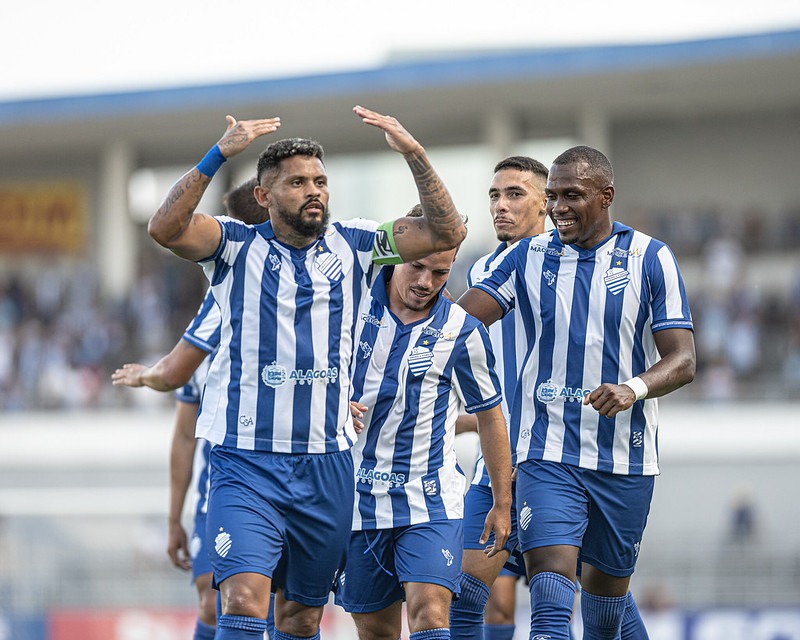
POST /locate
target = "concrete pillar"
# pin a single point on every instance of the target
(593, 129)
(116, 235)
(500, 133)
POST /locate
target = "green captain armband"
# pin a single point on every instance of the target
(384, 249)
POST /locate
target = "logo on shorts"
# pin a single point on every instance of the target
(637, 438)
(636, 547)
(195, 544)
(223, 543)
(525, 517)
(448, 556)
(542, 636)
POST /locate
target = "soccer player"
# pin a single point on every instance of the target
(420, 359)
(276, 403)
(609, 331)
(185, 369)
(517, 206)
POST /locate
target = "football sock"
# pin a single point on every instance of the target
(280, 635)
(466, 613)
(498, 632)
(632, 625)
(602, 616)
(552, 598)
(271, 618)
(231, 627)
(431, 634)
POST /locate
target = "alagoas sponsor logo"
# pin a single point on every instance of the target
(380, 478)
(548, 392)
(274, 375)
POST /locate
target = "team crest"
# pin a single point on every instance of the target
(223, 543)
(616, 279)
(420, 360)
(329, 265)
(273, 375)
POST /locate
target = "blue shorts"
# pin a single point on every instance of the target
(380, 561)
(477, 503)
(198, 550)
(285, 516)
(604, 514)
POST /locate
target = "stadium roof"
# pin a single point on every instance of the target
(442, 98)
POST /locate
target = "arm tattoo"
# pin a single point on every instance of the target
(440, 212)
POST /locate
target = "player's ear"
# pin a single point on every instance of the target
(262, 196)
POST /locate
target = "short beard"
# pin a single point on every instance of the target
(306, 229)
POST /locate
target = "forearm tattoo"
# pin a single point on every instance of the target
(440, 211)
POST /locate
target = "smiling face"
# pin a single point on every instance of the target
(578, 202)
(297, 199)
(414, 285)
(517, 204)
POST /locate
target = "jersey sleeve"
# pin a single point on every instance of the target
(474, 371)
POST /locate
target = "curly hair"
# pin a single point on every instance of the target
(271, 158)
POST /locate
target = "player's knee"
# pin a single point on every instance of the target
(432, 614)
(298, 619)
(243, 598)
(500, 613)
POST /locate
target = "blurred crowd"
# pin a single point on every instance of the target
(60, 339)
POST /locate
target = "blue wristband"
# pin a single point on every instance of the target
(211, 162)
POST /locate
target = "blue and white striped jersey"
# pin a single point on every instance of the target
(415, 379)
(280, 381)
(506, 344)
(203, 332)
(204, 329)
(589, 316)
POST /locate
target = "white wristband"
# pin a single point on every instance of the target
(638, 386)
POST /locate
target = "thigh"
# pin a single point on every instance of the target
(430, 553)
(244, 527)
(369, 583)
(477, 503)
(317, 529)
(617, 518)
(552, 506)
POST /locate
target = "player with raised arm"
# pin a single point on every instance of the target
(277, 398)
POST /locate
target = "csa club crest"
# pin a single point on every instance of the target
(616, 280)
(420, 360)
(329, 265)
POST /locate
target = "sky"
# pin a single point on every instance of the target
(53, 48)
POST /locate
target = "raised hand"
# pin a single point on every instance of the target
(397, 137)
(241, 133)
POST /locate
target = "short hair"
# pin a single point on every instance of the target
(597, 161)
(241, 203)
(522, 163)
(271, 158)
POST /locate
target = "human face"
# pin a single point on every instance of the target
(517, 204)
(414, 285)
(578, 203)
(297, 199)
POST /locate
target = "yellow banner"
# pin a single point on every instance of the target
(40, 217)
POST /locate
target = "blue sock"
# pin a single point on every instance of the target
(552, 599)
(203, 631)
(280, 635)
(602, 616)
(632, 625)
(466, 613)
(499, 632)
(431, 634)
(240, 628)
(271, 617)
